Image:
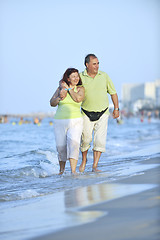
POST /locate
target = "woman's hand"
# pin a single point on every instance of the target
(79, 95)
(62, 93)
(64, 85)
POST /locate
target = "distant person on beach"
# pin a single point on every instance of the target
(95, 109)
(68, 121)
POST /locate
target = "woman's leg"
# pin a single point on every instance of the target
(60, 126)
(73, 164)
(62, 167)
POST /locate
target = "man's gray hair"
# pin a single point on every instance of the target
(87, 58)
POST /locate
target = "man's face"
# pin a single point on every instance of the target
(93, 65)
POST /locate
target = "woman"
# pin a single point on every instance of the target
(68, 122)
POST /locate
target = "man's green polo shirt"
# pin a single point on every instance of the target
(96, 89)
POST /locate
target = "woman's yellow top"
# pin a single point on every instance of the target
(68, 108)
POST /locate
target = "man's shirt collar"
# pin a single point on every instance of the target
(86, 74)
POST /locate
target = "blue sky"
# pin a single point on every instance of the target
(41, 38)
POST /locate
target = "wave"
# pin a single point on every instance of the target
(25, 177)
(25, 194)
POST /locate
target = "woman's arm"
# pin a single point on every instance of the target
(79, 95)
(55, 98)
(76, 96)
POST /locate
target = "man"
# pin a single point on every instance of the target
(95, 110)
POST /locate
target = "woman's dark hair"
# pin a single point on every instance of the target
(68, 72)
(87, 58)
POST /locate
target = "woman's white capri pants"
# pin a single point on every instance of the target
(68, 135)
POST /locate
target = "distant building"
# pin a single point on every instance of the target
(138, 96)
(158, 93)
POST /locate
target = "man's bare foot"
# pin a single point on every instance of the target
(75, 173)
(96, 170)
(82, 167)
(60, 173)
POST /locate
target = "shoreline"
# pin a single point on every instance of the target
(129, 217)
(95, 210)
(132, 216)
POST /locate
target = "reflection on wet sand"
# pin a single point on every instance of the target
(94, 194)
(62, 209)
(82, 217)
(79, 198)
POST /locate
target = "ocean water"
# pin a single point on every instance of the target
(29, 168)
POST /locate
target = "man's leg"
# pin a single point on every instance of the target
(99, 144)
(96, 157)
(86, 140)
(84, 160)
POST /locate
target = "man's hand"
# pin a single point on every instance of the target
(115, 114)
(114, 98)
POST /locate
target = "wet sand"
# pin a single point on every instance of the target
(125, 217)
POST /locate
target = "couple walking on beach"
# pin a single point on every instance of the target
(83, 108)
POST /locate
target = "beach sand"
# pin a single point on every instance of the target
(129, 217)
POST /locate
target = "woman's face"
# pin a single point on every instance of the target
(73, 79)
